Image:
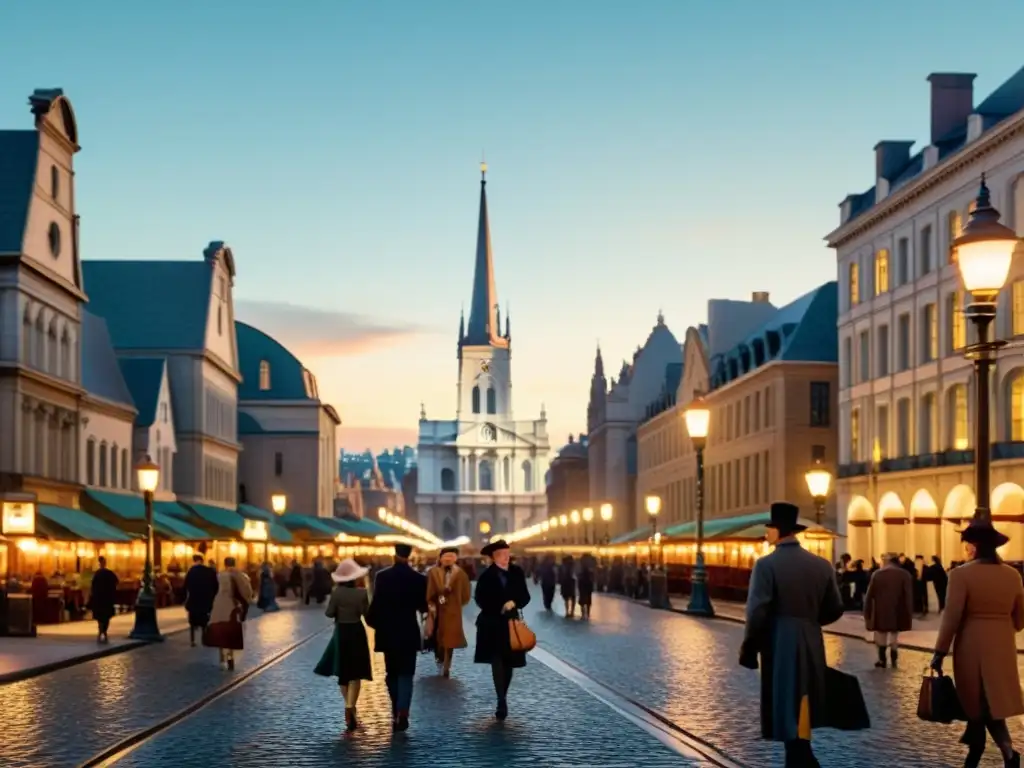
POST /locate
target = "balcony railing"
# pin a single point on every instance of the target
(951, 458)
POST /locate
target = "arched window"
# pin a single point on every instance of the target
(447, 480)
(26, 336)
(527, 476)
(476, 399)
(264, 375)
(927, 426)
(103, 465)
(1017, 407)
(90, 462)
(492, 400)
(486, 475)
(448, 529)
(65, 355)
(51, 348)
(113, 466)
(39, 354)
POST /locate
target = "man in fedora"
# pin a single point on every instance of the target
(399, 595)
(792, 594)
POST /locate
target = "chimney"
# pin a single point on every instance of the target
(952, 101)
(891, 157)
(760, 297)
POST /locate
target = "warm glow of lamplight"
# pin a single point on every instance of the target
(652, 504)
(279, 503)
(985, 264)
(554, 522)
(255, 530)
(961, 443)
(698, 419)
(574, 516)
(19, 518)
(819, 481)
(485, 527)
(588, 514)
(382, 513)
(545, 525)
(148, 473)
(606, 512)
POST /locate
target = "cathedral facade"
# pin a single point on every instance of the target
(482, 472)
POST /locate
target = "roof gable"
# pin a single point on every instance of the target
(101, 375)
(144, 377)
(287, 374)
(19, 158)
(151, 304)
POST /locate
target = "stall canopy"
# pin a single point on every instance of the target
(640, 534)
(750, 526)
(317, 529)
(278, 533)
(169, 518)
(81, 525)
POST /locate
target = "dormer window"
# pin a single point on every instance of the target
(264, 376)
(309, 381)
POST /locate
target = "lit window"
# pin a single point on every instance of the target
(854, 284)
(881, 272)
(1017, 409)
(264, 375)
(1017, 307)
(960, 439)
(855, 435)
(957, 322)
(953, 223)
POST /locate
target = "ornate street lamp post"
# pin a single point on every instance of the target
(819, 481)
(652, 504)
(606, 515)
(278, 503)
(983, 253)
(574, 518)
(588, 518)
(145, 627)
(698, 422)
(658, 577)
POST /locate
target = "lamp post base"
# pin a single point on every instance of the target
(145, 627)
(659, 591)
(700, 597)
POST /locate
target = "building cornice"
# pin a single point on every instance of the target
(18, 259)
(987, 143)
(769, 367)
(111, 408)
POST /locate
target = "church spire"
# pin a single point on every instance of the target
(483, 322)
(462, 325)
(598, 362)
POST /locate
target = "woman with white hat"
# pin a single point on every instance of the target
(347, 656)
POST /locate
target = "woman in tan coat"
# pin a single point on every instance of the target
(984, 612)
(448, 593)
(230, 607)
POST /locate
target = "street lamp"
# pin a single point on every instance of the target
(588, 518)
(17, 519)
(382, 512)
(279, 503)
(983, 253)
(819, 481)
(652, 504)
(698, 422)
(574, 518)
(148, 473)
(606, 515)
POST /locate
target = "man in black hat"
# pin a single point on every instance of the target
(792, 594)
(399, 595)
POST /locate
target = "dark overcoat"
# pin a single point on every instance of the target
(399, 593)
(889, 601)
(792, 595)
(103, 594)
(492, 635)
(200, 589)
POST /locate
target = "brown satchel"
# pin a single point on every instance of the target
(520, 637)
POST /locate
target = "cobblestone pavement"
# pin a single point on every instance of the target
(686, 669)
(64, 717)
(287, 716)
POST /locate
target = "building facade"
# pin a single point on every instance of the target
(482, 471)
(568, 488)
(183, 313)
(906, 390)
(772, 397)
(41, 300)
(153, 432)
(289, 436)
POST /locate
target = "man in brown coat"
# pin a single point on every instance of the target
(448, 592)
(889, 607)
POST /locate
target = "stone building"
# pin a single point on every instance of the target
(568, 488)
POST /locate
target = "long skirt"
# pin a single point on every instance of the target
(347, 655)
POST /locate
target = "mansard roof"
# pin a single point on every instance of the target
(143, 376)
(101, 375)
(287, 374)
(19, 157)
(802, 331)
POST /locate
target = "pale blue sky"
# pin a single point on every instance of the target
(642, 155)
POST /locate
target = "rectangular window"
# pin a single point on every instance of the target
(903, 427)
(746, 481)
(854, 284)
(848, 361)
(767, 475)
(757, 411)
(855, 435)
(865, 356)
(881, 272)
(882, 343)
(881, 450)
(756, 482)
(1017, 307)
(821, 405)
(769, 408)
(960, 438)
(927, 437)
(929, 334)
(953, 224)
(902, 261)
(278, 464)
(728, 485)
(746, 415)
(903, 343)
(926, 249)
(957, 323)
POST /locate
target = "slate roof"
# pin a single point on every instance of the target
(286, 372)
(1006, 100)
(101, 374)
(143, 376)
(151, 304)
(19, 157)
(801, 331)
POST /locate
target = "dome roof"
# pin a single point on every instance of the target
(258, 352)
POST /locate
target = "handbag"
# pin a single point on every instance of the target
(846, 709)
(224, 634)
(938, 701)
(520, 637)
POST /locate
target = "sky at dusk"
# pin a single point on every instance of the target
(642, 156)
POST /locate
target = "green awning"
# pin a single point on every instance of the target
(640, 534)
(749, 526)
(347, 526)
(277, 532)
(172, 527)
(124, 505)
(320, 528)
(81, 524)
(219, 516)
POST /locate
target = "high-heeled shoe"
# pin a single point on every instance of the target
(974, 754)
(351, 723)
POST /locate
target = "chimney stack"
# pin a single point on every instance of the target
(760, 297)
(891, 157)
(952, 101)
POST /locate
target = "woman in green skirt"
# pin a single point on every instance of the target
(347, 656)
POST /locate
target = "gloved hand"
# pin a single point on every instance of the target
(937, 660)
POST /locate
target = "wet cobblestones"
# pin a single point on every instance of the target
(286, 716)
(686, 668)
(62, 718)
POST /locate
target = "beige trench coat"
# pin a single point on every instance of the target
(984, 612)
(449, 616)
(225, 602)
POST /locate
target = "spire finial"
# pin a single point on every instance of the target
(483, 167)
(423, 411)
(661, 317)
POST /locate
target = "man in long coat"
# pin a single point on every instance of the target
(792, 594)
(399, 595)
(889, 607)
(448, 592)
(200, 589)
(103, 599)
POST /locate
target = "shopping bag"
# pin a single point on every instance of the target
(938, 701)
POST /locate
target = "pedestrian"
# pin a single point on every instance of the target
(920, 586)
(200, 589)
(295, 579)
(103, 599)
(567, 581)
(585, 582)
(940, 580)
(347, 656)
(984, 612)
(230, 608)
(448, 592)
(501, 593)
(548, 580)
(399, 595)
(888, 608)
(267, 601)
(792, 594)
